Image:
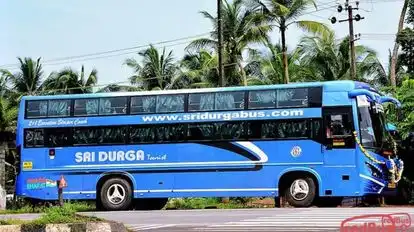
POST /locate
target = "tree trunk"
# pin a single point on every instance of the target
(393, 76)
(243, 73)
(284, 52)
(3, 194)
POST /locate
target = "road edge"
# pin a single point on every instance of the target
(69, 227)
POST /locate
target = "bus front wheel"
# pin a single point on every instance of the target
(116, 194)
(301, 192)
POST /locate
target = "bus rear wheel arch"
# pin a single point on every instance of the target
(299, 188)
(114, 193)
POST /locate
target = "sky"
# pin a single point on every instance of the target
(53, 29)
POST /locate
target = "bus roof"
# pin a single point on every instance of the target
(329, 86)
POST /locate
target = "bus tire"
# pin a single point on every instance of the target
(301, 192)
(116, 194)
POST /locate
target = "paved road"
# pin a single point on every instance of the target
(275, 219)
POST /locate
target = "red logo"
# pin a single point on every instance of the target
(396, 222)
(402, 221)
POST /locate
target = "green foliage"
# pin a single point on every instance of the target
(410, 13)
(11, 222)
(406, 39)
(65, 214)
(156, 71)
(8, 115)
(240, 29)
(405, 94)
(69, 81)
(203, 203)
(53, 215)
(68, 207)
(192, 203)
(320, 56)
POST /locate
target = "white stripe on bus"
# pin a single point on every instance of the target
(184, 190)
(166, 165)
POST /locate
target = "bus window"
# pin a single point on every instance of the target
(34, 138)
(201, 132)
(292, 98)
(87, 136)
(86, 107)
(338, 126)
(229, 130)
(59, 108)
(229, 101)
(141, 134)
(114, 135)
(144, 104)
(170, 104)
(36, 109)
(338, 130)
(262, 99)
(201, 102)
(58, 137)
(113, 106)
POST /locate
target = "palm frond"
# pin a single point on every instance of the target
(314, 27)
(203, 43)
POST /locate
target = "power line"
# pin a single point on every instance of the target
(384, 36)
(330, 6)
(101, 57)
(69, 59)
(115, 50)
(149, 78)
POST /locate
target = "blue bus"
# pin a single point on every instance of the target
(302, 142)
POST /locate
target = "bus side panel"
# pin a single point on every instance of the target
(275, 155)
(43, 185)
(33, 158)
(339, 181)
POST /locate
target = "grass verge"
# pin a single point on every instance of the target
(173, 203)
(204, 203)
(77, 206)
(53, 215)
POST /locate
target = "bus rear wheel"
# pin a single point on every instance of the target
(301, 192)
(116, 194)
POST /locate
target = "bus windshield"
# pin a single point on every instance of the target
(372, 123)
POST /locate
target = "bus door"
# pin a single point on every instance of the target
(339, 148)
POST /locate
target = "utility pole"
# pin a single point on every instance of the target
(220, 42)
(352, 37)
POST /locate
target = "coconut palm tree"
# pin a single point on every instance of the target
(328, 59)
(239, 30)
(265, 67)
(69, 81)
(28, 80)
(8, 115)
(156, 71)
(282, 14)
(4, 83)
(394, 57)
(198, 70)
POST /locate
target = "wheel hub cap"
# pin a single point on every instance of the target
(116, 194)
(299, 189)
